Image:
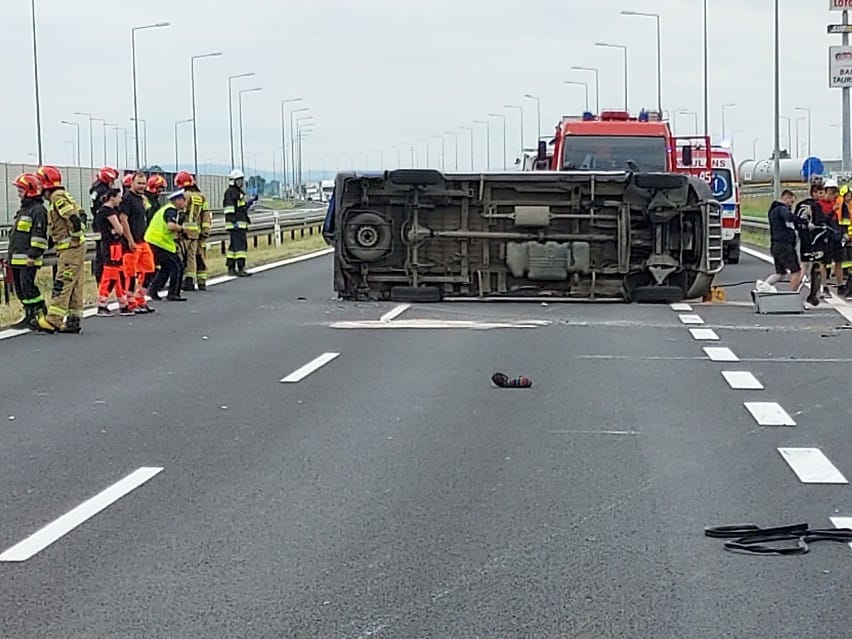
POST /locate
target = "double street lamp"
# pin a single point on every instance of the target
(135, 99)
(194, 119)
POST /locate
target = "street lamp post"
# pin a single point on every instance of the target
(77, 127)
(91, 137)
(707, 74)
(231, 112)
(694, 117)
(521, 115)
(581, 84)
(144, 141)
(284, 104)
(724, 128)
(293, 143)
(135, 100)
(624, 49)
(298, 165)
(37, 97)
(798, 144)
(597, 85)
(103, 129)
(789, 131)
(538, 112)
(469, 129)
(443, 149)
(194, 120)
(240, 117)
(656, 16)
(505, 155)
(456, 147)
(810, 130)
(487, 142)
(112, 126)
(177, 155)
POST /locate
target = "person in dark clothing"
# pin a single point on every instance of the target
(236, 223)
(139, 261)
(114, 248)
(782, 232)
(27, 243)
(104, 182)
(809, 212)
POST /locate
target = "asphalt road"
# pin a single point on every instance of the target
(394, 492)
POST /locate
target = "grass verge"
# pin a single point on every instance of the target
(750, 238)
(12, 312)
(755, 206)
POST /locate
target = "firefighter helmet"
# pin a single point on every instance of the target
(50, 177)
(156, 183)
(184, 179)
(127, 180)
(29, 183)
(107, 175)
(235, 175)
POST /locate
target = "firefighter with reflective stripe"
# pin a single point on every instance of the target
(27, 244)
(104, 181)
(153, 189)
(201, 255)
(66, 230)
(196, 205)
(236, 223)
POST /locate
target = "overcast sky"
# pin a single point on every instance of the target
(380, 73)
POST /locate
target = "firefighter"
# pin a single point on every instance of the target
(201, 255)
(161, 235)
(27, 243)
(104, 181)
(66, 230)
(126, 182)
(153, 189)
(196, 209)
(115, 247)
(236, 223)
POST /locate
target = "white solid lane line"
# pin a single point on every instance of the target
(396, 312)
(311, 367)
(289, 260)
(720, 354)
(704, 334)
(769, 414)
(41, 539)
(742, 380)
(757, 254)
(691, 319)
(812, 466)
(842, 522)
(681, 308)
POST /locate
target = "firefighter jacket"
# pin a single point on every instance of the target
(236, 209)
(29, 233)
(152, 204)
(196, 205)
(63, 217)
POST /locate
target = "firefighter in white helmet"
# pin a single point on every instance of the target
(236, 223)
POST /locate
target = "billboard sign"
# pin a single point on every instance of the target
(840, 66)
(839, 5)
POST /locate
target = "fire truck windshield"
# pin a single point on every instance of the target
(613, 153)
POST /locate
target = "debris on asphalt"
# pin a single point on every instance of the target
(751, 539)
(501, 380)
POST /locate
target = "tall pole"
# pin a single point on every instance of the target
(707, 72)
(177, 155)
(808, 111)
(624, 49)
(91, 136)
(144, 145)
(724, 128)
(284, 104)
(240, 118)
(659, 54)
(297, 179)
(37, 96)
(135, 99)
(597, 85)
(505, 154)
(487, 143)
(194, 117)
(538, 112)
(293, 143)
(456, 148)
(776, 181)
(231, 112)
(847, 135)
(77, 127)
(789, 132)
(469, 129)
(521, 115)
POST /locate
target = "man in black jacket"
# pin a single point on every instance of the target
(782, 232)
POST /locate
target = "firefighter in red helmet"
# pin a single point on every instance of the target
(196, 230)
(104, 181)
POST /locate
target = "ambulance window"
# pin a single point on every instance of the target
(722, 185)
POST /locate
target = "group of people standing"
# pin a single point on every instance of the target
(144, 246)
(817, 231)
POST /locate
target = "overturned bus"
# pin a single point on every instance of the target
(424, 235)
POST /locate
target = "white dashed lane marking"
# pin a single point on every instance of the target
(691, 319)
(41, 539)
(682, 308)
(720, 354)
(742, 380)
(812, 466)
(311, 367)
(704, 334)
(842, 522)
(769, 414)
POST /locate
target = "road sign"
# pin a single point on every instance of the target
(840, 66)
(719, 185)
(839, 5)
(840, 28)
